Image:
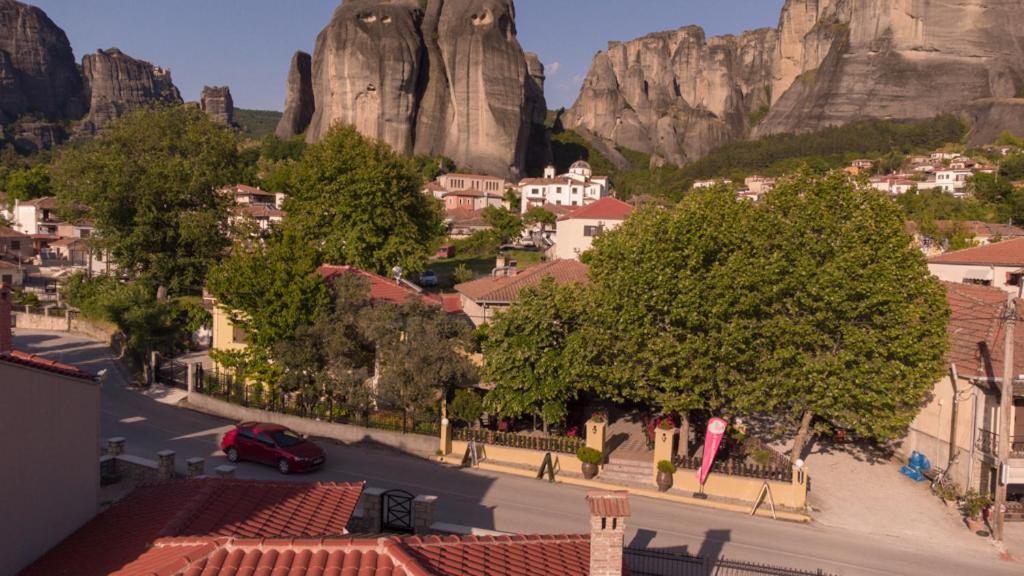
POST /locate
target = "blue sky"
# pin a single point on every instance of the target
(247, 44)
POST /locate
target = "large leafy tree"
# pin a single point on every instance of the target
(857, 329)
(507, 225)
(150, 182)
(524, 353)
(357, 202)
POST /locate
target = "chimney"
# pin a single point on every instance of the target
(6, 337)
(549, 171)
(608, 513)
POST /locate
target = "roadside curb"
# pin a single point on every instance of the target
(686, 500)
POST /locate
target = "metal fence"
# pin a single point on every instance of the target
(230, 388)
(559, 444)
(172, 373)
(648, 562)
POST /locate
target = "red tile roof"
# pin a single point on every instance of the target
(200, 508)
(413, 556)
(472, 193)
(40, 363)
(978, 228)
(505, 289)
(471, 176)
(609, 504)
(604, 209)
(1005, 253)
(6, 232)
(976, 335)
(381, 289)
(46, 203)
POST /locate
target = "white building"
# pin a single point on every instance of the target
(456, 182)
(759, 185)
(37, 216)
(577, 230)
(895, 185)
(702, 184)
(999, 265)
(953, 181)
(578, 187)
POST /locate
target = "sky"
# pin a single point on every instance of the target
(248, 44)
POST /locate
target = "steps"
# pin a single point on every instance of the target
(628, 471)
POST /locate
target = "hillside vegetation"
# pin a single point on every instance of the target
(257, 123)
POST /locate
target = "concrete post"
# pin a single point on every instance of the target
(663, 442)
(166, 461)
(446, 437)
(190, 378)
(372, 510)
(115, 446)
(596, 431)
(225, 471)
(194, 468)
(423, 510)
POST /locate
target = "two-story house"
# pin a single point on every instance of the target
(998, 265)
(578, 229)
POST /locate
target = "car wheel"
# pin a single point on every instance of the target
(232, 454)
(283, 466)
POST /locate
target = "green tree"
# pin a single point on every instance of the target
(150, 181)
(539, 216)
(359, 203)
(467, 406)
(28, 183)
(507, 225)
(1012, 167)
(524, 353)
(857, 330)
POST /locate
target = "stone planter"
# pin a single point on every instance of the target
(589, 471)
(976, 525)
(664, 481)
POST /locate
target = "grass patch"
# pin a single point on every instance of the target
(480, 266)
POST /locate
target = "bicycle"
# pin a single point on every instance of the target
(942, 485)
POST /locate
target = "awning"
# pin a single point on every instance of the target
(978, 275)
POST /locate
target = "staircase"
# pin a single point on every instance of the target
(628, 471)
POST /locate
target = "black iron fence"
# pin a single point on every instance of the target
(172, 373)
(647, 562)
(558, 444)
(234, 389)
(741, 468)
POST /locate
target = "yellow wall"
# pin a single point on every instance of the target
(224, 332)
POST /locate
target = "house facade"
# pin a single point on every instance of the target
(577, 187)
(998, 265)
(51, 417)
(578, 229)
(14, 245)
(483, 298)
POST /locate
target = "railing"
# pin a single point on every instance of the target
(1017, 447)
(558, 444)
(647, 562)
(987, 442)
(738, 468)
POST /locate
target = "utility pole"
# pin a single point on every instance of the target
(1005, 415)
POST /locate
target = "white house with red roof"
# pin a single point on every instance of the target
(577, 187)
(51, 476)
(999, 265)
(577, 230)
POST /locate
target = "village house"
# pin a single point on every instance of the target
(952, 180)
(15, 246)
(468, 192)
(36, 217)
(464, 223)
(471, 200)
(961, 418)
(52, 480)
(999, 265)
(939, 156)
(703, 184)
(255, 207)
(243, 195)
(759, 185)
(578, 187)
(893, 185)
(481, 299)
(577, 230)
(859, 166)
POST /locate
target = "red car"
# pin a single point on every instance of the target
(271, 444)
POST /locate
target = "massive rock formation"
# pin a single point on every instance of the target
(299, 105)
(216, 101)
(117, 84)
(38, 74)
(443, 77)
(829, 62)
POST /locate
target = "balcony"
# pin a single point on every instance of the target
(987, 442)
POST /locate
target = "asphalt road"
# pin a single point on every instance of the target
(522, 505)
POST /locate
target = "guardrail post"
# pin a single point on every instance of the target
(446, 437)
(115, 446)
(195, 467)
(166, 460)
(225, 471)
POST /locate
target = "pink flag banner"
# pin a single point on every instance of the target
(712, 441)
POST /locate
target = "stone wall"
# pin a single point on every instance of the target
(415, 444)
(99, 331)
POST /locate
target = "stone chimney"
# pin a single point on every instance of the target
(6, 335)
(608, 513)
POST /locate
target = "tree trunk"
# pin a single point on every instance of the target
(801, 435)
(684, 436)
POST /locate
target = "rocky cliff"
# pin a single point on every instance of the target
(299, 104)
(677, 95)
(117, 84)
(216, 101)
(441, 77)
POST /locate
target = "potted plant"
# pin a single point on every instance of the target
(666, 471)
(590, 459)
(598, 417)
(972, 507)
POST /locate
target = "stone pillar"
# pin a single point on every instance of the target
(596, 430)
(115, 446)
(166, 461)
(194, 468)
(663, 441)
(190, 378)
(423, 510)
(225, 471)
(446, 437)
(372, 510)
(608, 513)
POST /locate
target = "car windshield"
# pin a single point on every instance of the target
(286, 438)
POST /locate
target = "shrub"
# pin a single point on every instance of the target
(666, 467)
(761, 456)
(974, 503)
(462, 274)
(666, 424)
(588, 455)
(467, 406)
(598, 417)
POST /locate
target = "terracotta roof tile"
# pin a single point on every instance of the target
(6, 232)
(381, 289)
(1005, 253)
(609, 504)
(505, 289)
(40, 363)
(200, 508)
(502, 555)
(976, 335)
(604, 209)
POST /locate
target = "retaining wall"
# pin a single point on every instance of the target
(415, 444)
(99, 331)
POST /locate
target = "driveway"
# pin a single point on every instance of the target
(515, 504)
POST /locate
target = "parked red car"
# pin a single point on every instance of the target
(273, 445)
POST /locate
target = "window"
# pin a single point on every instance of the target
(16, 245)
(245, 433)
(264, 438)
(238, 335)
(286, 438)
(7, 279)
(1014, 278)
(592, 231)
